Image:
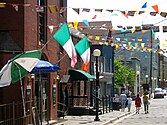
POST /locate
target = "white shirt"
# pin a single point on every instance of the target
(129, 100)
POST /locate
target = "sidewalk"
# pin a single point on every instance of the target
(89, 119)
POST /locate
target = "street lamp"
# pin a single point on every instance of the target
(146, 85)
(97, 53)
(138, 81)
(155, 83)
(159, 83)
(146, 78)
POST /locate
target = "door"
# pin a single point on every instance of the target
(42, 95)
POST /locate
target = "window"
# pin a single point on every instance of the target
(41, 22)
(78, 88)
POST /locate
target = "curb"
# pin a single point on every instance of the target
(116, 118)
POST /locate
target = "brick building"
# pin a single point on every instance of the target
(24, 27)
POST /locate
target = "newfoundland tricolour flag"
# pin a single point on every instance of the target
(83, 48)
(63, 37)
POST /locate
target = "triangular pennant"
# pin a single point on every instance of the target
(16, 7)
(155, 7)
(146, 27)
(155, 28)
(153, 13)
(62, 10)
(145, 5)
(129, 27)
(163, 45)
(109, 10)
(39, 9)
(51, 28)
(163, 14)
(131, 13)
(97, 37)
(137, 28)
(120, 26)
(52, 9)
(153, 32)
(155, 41)
(2, 5)
(164, 28)
(76, 10)
(85, 10)
(75, 25)
(144, 31)
(142, 45)
(85, 22)
(124, 13)
(139, 40)
(90, 37)
(94, 17)
(141, 12)
(118, 39)
(149, 44)
(98, 10)
(132, 31)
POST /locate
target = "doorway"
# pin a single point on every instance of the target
(41, 98)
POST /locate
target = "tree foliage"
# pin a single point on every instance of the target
(123, 74)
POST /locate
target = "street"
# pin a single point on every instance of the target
(157, 115)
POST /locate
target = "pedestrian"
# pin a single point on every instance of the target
(129, 99)
(123, 99)
(138, 103)
(146, 102)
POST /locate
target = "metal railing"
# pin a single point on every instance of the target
(62, 110)
(13, 113)
(105, 103)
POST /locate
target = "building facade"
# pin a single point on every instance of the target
(24, 27)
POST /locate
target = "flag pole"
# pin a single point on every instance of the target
(46, 44)
(56, 47)
(24, 108)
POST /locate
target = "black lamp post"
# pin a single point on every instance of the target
(147, 86)
(97, 53)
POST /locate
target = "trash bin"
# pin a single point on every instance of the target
(115, 105)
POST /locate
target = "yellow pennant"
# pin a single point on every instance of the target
(52, 9)
(132, 31)
(2, 5)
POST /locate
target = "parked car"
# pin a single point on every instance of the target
(158, 93)
(164, 91)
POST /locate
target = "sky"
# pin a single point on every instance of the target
(130, 5)
(120, 19)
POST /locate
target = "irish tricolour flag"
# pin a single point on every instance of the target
(83, 48)
(63, 37)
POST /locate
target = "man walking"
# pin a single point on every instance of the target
(145, 102)
(123, 99)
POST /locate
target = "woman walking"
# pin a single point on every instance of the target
(129, 99)
(138, 103)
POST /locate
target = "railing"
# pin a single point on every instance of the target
(62, 109)
(12, 114)
(105, 103)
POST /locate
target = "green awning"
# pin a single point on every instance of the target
(80, 75)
